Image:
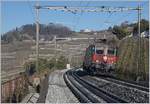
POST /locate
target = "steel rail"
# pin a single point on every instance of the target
(82, 98)
(107, 96)
(101, 94)
(79, 91)
(126, 83)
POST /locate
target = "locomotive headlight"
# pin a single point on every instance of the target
(97, 61)
(105, 58)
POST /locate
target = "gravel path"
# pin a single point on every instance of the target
(58, 92)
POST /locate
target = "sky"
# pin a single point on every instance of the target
(17, 13)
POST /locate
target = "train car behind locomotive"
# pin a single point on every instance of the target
(100, 59)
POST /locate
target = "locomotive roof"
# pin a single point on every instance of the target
(102, 45)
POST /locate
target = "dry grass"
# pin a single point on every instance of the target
(133, 58)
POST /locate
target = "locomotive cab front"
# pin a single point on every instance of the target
(100, 59)
(104, 59)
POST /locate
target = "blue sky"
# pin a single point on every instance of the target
(17, 13)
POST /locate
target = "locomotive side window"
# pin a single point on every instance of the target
(93, 49)
(89, 51)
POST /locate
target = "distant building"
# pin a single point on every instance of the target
(130, 29)
(145, 34)
(86, 30)
(42, 37)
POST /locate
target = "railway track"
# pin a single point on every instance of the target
(88, 92)
(126, 83)
(108, 90)
(131, 94)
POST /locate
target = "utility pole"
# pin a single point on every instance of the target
(70, 57)
(139, 19)
(139, 39)
(55, 49)
(55, 44)
(37, 7)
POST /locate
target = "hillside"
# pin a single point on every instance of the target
(133, 58)
(15, 54)
(47, 32)
(126, 29)
(28, 32)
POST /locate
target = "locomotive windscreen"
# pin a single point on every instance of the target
(98, 51)
(112, 52)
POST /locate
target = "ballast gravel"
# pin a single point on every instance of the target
(129, 94)
(58, 92)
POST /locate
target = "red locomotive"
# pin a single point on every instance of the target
(100, 59)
